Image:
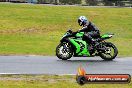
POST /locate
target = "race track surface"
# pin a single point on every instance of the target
(52, 65)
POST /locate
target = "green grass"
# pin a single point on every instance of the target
(37, 29)
(49, 81)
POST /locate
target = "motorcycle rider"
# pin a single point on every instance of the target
(90, 30)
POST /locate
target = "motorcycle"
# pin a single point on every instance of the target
(73, 44)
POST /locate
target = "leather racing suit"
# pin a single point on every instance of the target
(91, 32)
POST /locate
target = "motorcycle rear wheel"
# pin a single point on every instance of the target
(107, 55)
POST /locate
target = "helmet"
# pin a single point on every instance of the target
(82, 20)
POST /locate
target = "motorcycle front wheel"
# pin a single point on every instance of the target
(64, 51)
(110, 51)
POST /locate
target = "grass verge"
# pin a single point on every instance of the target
(37, 29)
(49, 81)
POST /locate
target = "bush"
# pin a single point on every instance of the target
(70, 2)
(92, 2)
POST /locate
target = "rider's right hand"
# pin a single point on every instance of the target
(70, 31)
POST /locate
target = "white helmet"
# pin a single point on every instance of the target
(82, 20)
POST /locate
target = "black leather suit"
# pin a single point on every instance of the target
(91, 32)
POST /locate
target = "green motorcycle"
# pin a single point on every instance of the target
(73, 44)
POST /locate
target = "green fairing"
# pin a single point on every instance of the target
(84, 51)
(80, 34)
(105, 36)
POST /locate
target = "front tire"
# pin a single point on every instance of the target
(64, 51)
(107, 54)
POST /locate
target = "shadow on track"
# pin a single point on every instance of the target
(83, 61)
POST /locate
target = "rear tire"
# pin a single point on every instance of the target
(61, 51)
(107, 54)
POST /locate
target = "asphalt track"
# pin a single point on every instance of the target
(52, 65)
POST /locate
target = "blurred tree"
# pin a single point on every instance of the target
(92, 2)
(70, 1)
(83, 2)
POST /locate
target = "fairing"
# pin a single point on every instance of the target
(81, 47)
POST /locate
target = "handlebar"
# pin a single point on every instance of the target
(71, 32)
